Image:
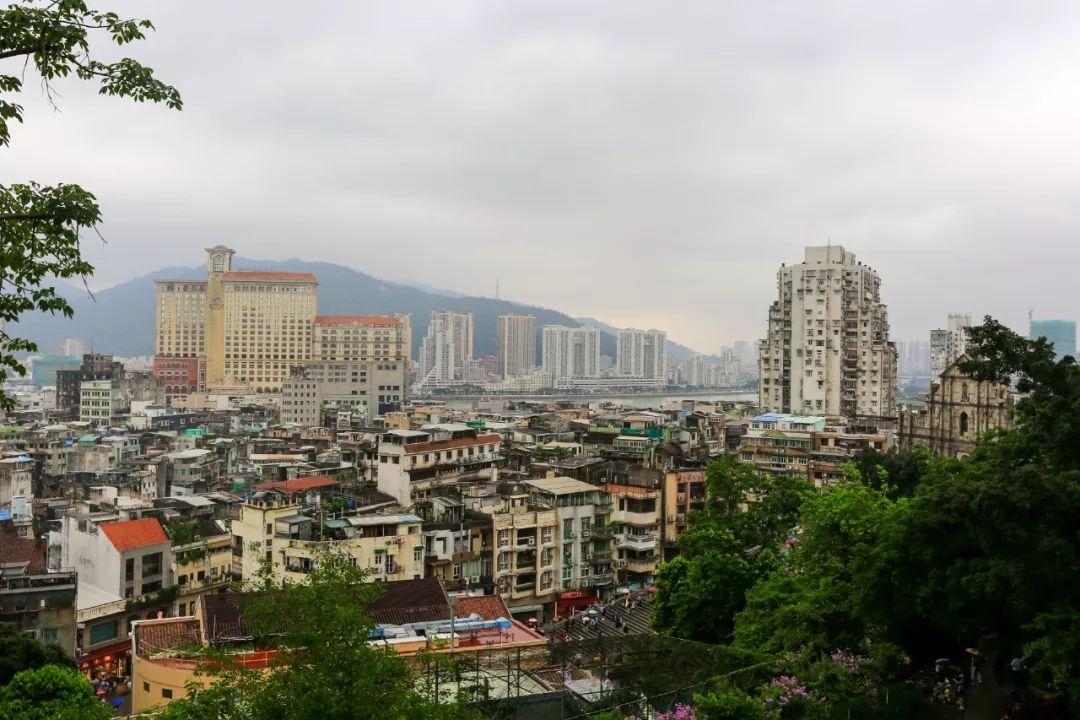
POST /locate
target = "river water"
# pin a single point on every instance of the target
(637, 400)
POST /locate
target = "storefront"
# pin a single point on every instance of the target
(572, 602)
(109, 661)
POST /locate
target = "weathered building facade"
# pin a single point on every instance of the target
(959, 410)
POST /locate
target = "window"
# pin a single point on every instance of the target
(150, 587)
(166, 693)
(963, 423)
(49, 635)
(568, 528)
(146, 686)
(103, 632)
(418, 553)
(151, 564)
(129, 570)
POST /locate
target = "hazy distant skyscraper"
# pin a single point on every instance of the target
(828, 350)
(641, 353)
(1060, 332)
(72, 347)
(949, 343)
(571, 353)
(447, 347)
(517, 345)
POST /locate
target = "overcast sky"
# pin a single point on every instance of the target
(649, 164)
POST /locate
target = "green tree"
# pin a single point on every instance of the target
(41, 227)
(737, 539)
(50, 693)
(326, 665)
(19, 651)
(728, 704)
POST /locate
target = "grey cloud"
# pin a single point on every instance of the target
(615, 159)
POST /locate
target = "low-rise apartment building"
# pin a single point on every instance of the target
(16, 478)
(635, 522)
(584, 561)
(803, 446)
(524, 555)
(289, 526)
(38, 602)
(683, 492)
(412, 463)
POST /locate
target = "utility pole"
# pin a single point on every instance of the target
(453, 624)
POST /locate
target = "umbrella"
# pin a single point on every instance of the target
(592, 611)
(942, 661)
(118, 703)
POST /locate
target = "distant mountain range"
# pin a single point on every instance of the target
(120, 319)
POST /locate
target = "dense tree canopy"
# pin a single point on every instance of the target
(50, 693)
(19, 651)
(41, 226)
(909, 556)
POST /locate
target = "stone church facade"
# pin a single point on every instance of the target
(958, 411)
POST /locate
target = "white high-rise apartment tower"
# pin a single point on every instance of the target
(948, 344)
(641, 353)
(571, 353)
(447, 347)
(827, 351)
(517, 345)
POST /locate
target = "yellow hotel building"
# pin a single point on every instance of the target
(250, 326)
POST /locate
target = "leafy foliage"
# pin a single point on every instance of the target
(326, 666)
(19, 651)
(737, 539)
(41, 226)
(908, 555)
(50, 693)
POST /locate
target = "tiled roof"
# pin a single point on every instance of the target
(449, 444)
(153, 636)
(354, 319)
(131, 534)
(299, 484)
(489, 607)
(410, 601)
(15, 550)
(248, 275)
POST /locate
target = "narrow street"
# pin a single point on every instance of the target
(985, 701)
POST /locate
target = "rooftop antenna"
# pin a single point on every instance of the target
(496, 288)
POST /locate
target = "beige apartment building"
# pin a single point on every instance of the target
(828, 350)
(278, 526)
(525, 555)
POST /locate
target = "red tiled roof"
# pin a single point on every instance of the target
(131, 534)
(454, 443)
(353, 319)
(15, 550)
(410, 601)
(166, 634)
(249, 275)
(489, 607)
(299, 484)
